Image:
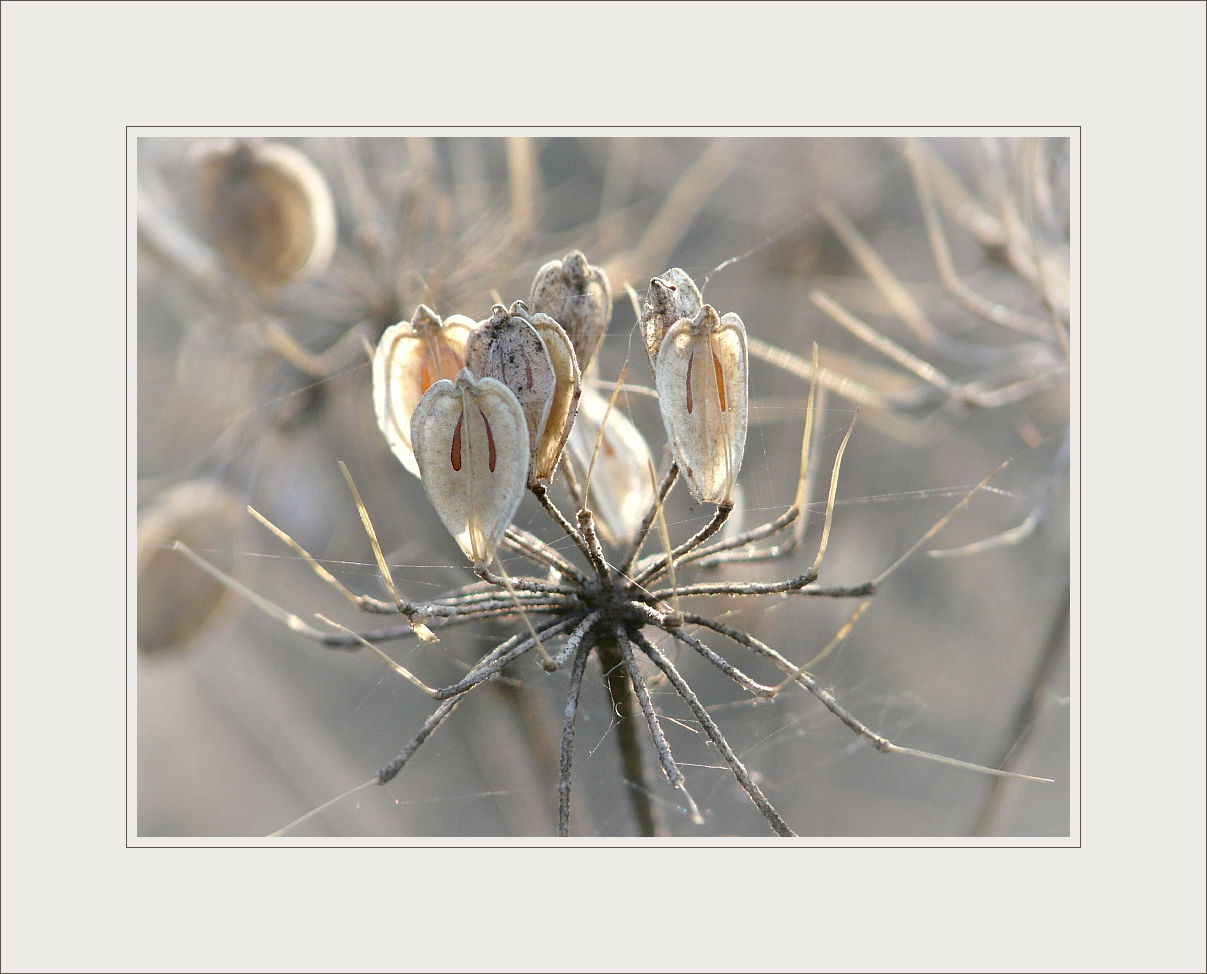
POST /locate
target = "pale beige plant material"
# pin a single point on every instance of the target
(471, 441)
(269, 210)
(576, 295)
(619, 492)
(411, 357)
(508, 349)
(702, 392)
(672, 295)
(563, 409)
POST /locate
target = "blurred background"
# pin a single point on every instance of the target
(934, 276)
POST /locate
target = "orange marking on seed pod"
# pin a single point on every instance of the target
(410, 358)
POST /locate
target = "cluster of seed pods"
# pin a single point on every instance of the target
(481, 411)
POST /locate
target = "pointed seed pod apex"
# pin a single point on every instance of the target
(507, 348)
(411, 356)
(672, 295)
(471, 443)
(702, 392)
(576, 295)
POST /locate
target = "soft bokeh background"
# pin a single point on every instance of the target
(245, 726)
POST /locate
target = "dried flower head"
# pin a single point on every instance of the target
(412, 356)
(702, 392)
(471, 441)
(269, 211)
(672, 295)
(576, 295)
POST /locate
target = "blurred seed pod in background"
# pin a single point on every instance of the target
(176, 600)
(269, 212)
(576, 296)
(620, 489)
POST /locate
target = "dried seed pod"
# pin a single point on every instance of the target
(176, 600)
(702, 392)
(410, 358)
(507, 348)
(564, 408)
(471, 441)
(672, 295)
(269, 210)
(620, 486)
(576, 296)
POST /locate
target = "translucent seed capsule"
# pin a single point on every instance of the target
(471, 442)
(620, 484)
(507, 348)
(410, 358)
(564, 408)
(576, 296)
(702, 392)
(269, 211)
(671, 296)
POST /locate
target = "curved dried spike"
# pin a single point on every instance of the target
(505, 347)
(471, 442)
(564, 406)
(702, 393)
(410, 358)
(576, 295)
(672, 295)
(269, 210)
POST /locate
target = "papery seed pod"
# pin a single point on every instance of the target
(176, 600)
(576, 296)
(410, 358)
(564, 408)
(507, 348)
(269, 211)
(620, 488)
(702, 392)
(672, 295)
(471, 442)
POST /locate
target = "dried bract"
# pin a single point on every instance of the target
(269, 210)
(672, 295)
(702, 392)
(410, 358)
(471, 441)
(576, 296)
(507, 348)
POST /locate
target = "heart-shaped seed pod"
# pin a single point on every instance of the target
(671, 296)
(411, 356)
(702, 392)
(471, 442)
(620, 484)
(576, 296)
(269, 211)
(507, 348)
